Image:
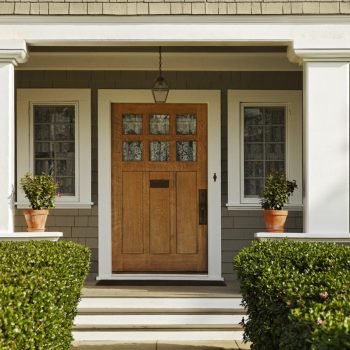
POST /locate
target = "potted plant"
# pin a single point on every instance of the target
(276, 194)
(41, 193)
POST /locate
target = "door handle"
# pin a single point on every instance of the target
(203, 207)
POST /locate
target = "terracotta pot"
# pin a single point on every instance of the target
(275, 220)
(36, 219)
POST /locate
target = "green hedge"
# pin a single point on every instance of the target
(297, 295)
(40, 285)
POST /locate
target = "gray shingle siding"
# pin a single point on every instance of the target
(172, 7)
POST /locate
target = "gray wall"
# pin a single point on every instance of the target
(238, 227)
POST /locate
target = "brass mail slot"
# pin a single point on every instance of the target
(159, 184)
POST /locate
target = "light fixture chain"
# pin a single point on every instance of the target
(160, 60)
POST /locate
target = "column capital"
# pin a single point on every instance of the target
(13, 51)
(301, 55)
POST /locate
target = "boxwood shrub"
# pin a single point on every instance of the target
(297, 295)
(40, 283)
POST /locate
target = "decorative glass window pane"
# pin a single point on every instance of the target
(43, 150)
(275, 166)
(264, 146)
(186, 151)
(254, 151)
(253, 169)
(132, 150)
(54, 143)
(159, 124)
(132, 124)
(252, 187)
(65, 167)
(66, 184)
(186, 124)
(159, 151)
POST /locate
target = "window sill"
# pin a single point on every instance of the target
(231, 206)
(66, 205)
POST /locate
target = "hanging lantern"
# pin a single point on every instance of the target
(160, 88)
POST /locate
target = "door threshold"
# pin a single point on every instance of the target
(160, 279)
(121, 282)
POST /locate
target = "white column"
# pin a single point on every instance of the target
(7, 146)
(12, 52)
(326, 147)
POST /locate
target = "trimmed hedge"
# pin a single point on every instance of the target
(297, 295)
(40, 284)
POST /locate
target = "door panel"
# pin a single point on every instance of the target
(159, 164)
(159, 213)
(186, 210)
(132, 200)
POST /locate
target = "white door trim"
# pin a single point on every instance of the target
(105, 99)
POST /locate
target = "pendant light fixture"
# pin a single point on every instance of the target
(160, 88)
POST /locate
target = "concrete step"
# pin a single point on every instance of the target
(158, 319)
(162, 305)
(159, 345)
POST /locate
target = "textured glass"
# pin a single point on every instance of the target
(64, 149)
(63, 132)
(159, 124)
(274, 166)
(274, 133)
(42, 150)
(132, 124)
(253, 169)
(46, 166)
(54, 144)
(254, 151)
(253, 187)
(42, 132)
(65, 167)
(274, 151)
(66, 185)
(132, 150)
(274, 115)
(186, 151)
(186, 124)
(159, 151)
(253, 133)
(253, 116)
(264, 146)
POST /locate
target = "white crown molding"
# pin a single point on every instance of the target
(13, 51)
(300, 56)
(148, 61)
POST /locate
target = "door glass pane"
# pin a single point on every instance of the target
(186, 124)
(54, 143)
(159, 151)
(132, 124)
(132, 150)
(159, 124)
(186, 151)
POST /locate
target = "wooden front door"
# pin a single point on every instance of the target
(159, 188)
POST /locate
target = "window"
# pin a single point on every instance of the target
(264, 135)
(54, 136)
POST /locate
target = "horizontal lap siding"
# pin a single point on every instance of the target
(81, 225)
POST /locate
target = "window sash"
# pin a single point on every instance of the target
(261, 140)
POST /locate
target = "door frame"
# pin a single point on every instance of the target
(105, 98)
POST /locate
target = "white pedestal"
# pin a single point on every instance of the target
(30, 236)
(309, 237)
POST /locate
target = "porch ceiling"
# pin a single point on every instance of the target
(202, 58)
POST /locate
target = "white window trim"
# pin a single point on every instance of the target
(81, 99)
(105, 99)
(292, 99)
